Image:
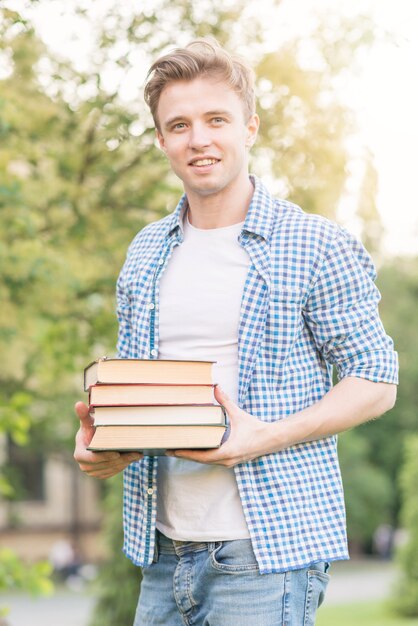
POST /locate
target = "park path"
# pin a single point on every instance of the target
(352, 581)
(360, 580)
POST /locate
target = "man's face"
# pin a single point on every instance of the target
(204, 133)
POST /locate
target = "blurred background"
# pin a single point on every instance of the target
(80, 174)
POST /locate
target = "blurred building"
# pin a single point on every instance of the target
(54, 503)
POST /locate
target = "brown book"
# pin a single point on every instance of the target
(165, 415)
(150, 371)
(154, 440)
(119, 395)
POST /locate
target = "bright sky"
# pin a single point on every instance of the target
(385, 97)
(384, 94)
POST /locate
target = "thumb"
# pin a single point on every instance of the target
(82, 410)
(225, 400)
(86, 430)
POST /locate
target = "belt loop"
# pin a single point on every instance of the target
(212, 545)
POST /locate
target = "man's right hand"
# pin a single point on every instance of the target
(98, 464)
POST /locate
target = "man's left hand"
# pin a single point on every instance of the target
(248, 438)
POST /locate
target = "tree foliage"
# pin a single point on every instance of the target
(116, 604)
(406, 599)
(375, 450)
(368, 490)
(15, 399)
(398, 282)
(301, 138)
(15, 575)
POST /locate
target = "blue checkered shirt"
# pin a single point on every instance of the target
(309, 303)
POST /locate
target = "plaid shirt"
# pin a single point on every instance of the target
(309, 303)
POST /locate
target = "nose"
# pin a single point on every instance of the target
(199, 137)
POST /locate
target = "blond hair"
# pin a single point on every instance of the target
(199, 59)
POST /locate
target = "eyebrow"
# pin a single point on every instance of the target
(173, 120)
(218, 112)
(181, 118)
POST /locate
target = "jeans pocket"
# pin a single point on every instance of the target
(317, 584)
(234, 557)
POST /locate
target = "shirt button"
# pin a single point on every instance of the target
(151, 306)
(154, 352)
(161, 261)
(150, 491)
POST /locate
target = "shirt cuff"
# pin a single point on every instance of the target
(379, 366)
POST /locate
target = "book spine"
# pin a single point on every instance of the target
(100, 384)
(104, 406)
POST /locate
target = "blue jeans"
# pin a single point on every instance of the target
(218, 584)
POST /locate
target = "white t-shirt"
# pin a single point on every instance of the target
(200, 298)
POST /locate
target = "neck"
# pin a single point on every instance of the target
(224, 208)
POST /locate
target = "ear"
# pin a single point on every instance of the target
(160, 140)
(252, 130)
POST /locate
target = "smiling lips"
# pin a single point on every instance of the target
(204, 162)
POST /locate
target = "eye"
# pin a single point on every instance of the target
(218, 120)
(179, 126)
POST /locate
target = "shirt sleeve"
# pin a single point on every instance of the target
(342, 314)
(124, 314)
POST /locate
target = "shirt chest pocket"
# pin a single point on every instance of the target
(284, 323)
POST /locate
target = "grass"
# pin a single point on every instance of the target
(361, 614)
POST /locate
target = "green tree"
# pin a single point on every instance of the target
(398, 282)
(379, 445)
(14, 574)
(368, 490)
(301, 140)
(72, 188)
(405, 600)
(114, 607)
(372, 230)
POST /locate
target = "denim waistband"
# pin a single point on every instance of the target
(165, 545)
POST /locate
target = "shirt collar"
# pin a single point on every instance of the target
(176, 221)
(259, 219)
(261, 212)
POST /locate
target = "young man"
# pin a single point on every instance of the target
(242, 535)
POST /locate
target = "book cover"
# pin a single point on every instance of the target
(174, 415)
(148, 371)
(128, 394)
(156, 438)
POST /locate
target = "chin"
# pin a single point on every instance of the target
(206, 187)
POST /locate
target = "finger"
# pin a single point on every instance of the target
(225, 400)
(110, 467)
(102, 474)
(107, 471)
(84, 416)
(200, 456)
(97, 459)
(104, 460)
(86, 430)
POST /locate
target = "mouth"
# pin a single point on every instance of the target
(204, 162)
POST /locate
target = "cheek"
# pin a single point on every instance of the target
(176, 158)
(170, 155)
(174, 149)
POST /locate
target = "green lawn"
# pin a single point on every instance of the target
(364, 614)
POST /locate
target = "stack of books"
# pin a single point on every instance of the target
(153, 405)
